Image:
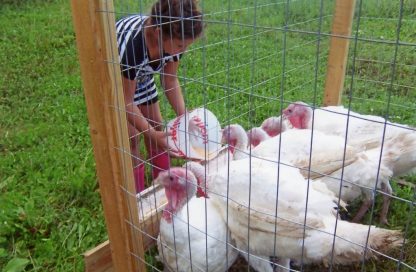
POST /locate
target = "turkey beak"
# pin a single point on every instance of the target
(162, 179)
(200, 193)
(157, 181)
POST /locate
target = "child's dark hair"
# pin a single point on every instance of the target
(178, 19)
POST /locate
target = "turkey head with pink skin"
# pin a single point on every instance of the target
(273, 126)
(179, 186)
(256, 135)
(299, 115)
(236, 137)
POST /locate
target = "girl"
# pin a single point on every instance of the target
(148, 45)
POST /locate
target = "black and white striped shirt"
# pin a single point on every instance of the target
(134, 57)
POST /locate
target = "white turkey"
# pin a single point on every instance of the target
(259, 263)
(271, 211)
(367, 129)
(373, 170)
(361, 171)
(294, 146)
(192, 233)
(174, 238)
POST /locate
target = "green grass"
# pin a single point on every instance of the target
(50, 210)
(50, 207)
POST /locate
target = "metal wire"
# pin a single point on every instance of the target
(252, 90)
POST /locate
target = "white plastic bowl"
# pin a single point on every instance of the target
(196, 134)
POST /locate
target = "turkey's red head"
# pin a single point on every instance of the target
(298, 114)
(273, 126)
(235, 136)
(180, 185)
(256, 135)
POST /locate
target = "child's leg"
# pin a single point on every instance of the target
(158, 158)
(138, 165)
(138, 173)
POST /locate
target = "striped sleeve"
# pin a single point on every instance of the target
(130, 44)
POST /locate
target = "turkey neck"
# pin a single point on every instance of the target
(199, 172)
(177, 198)
(240, 145)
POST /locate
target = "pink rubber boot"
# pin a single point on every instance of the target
(160, 161)
(138, 173)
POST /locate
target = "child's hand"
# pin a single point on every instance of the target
(160, 138)
(176, 154)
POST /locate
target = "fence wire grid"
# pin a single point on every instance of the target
(253, 60)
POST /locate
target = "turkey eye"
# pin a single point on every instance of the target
(289, 110)
(171, 178)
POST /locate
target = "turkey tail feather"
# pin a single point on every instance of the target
(350, 247)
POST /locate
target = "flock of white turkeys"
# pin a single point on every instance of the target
(274, 197)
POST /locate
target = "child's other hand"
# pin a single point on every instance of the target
(162, 141)
(176, 154)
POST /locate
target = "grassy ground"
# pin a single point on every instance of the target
(50, 210)
(50, 207)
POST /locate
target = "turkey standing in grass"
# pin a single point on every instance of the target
(259, 263)
(191, 223)
(268, 204)
(295, 147)
(368, 129)
(179, 185)
(360, 169)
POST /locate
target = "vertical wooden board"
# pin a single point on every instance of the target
(94, 26)
(338, 51)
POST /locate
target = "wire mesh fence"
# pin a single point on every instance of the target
(288, 206)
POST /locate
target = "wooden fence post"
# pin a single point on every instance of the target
(338, 51)
(94, 25)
